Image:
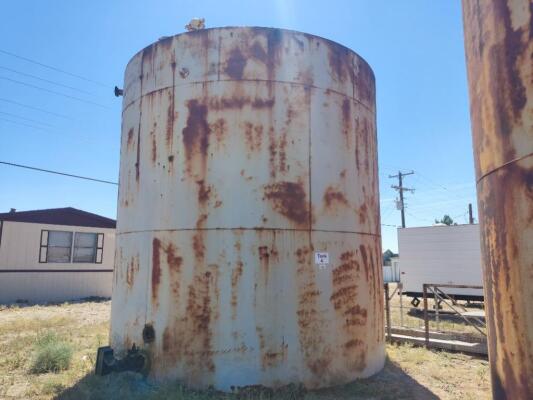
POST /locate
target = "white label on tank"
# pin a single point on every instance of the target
(321, 259)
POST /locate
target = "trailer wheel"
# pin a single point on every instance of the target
(415, 302)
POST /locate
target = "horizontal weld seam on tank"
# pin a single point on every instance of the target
(503, 166)
(250, 80)
(245, 229)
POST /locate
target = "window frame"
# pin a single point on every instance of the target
(99, 249)
(44, 246)
(48, 246)
(74, 247)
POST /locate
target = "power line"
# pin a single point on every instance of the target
(417, 218)
(385, 214)
(53, 91)
(57, 173)
(24, 124)
(24, 118)
(53, 68)
(436, 184)
(84, 138)
(35, 108)
(45, 80)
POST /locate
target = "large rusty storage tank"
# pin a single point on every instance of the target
(248, 238)
(499, 55)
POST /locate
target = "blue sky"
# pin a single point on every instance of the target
(415, 48)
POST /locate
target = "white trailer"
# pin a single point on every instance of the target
(446, 255)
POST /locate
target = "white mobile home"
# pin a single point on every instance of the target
(55, 255)
(448, 255)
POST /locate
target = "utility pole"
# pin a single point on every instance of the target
(402, 189)
(470, 216)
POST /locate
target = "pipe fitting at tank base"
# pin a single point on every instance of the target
(135, 360)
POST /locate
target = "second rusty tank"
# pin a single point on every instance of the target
(248, 237)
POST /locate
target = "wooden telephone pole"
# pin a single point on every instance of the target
(402, 189)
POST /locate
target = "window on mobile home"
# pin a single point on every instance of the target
(66, 247)
(59, 246)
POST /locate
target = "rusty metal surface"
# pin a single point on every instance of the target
(244, 152)
(499, 49)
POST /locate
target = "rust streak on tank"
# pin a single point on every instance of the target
(156, 267)
(204, 191)
(272, 357)
(289, 199)
(258, 52)
(198, 246)
(346, 270)
(343, 296)
(154, 144)
(130, 138)
(346, 119)
(365, 80)
(332, 195)
(317, 355)
(196, 133)
(338, 62)
(138, 161)
(362, 213)
(282, 148)
(132, 269)
(366, 265)
(173, 260)
(239, 102)
(174, 263)
(235, 64)
(253, 135)
(200, 314)
(219, 129)
(264, 262)
(273, 151)
(236, 274)
(171, 108)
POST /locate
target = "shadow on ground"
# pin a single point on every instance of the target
(390, 384)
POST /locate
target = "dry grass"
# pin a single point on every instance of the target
(410, 373)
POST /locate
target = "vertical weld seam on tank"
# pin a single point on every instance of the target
(138, 162)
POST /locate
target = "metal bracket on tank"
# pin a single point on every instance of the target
(118, 91)
(135, 360)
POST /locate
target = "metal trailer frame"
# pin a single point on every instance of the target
(440, 296)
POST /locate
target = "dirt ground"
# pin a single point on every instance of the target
(410, 373)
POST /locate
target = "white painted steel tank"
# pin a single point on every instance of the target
(248, 238)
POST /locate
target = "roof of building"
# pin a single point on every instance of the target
(60, 216)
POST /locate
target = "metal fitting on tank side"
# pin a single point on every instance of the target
(136, 360)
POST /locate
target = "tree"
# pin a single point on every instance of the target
(446, 220)
(387, 255)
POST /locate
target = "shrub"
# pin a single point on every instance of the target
(50, 354)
